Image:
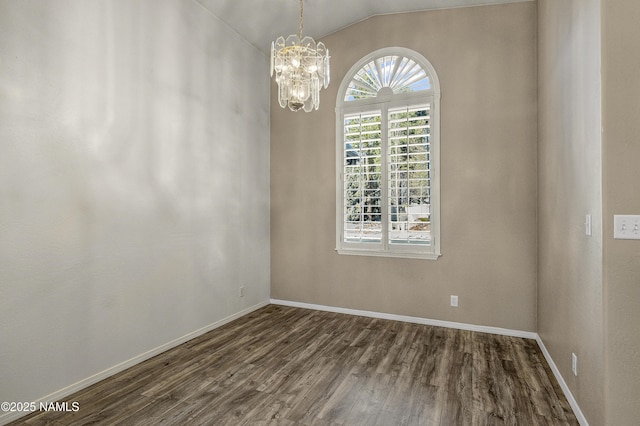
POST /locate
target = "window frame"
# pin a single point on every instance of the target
(383, 102)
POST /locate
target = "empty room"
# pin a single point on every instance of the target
(320, 212)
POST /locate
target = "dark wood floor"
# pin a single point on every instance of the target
(290, 366)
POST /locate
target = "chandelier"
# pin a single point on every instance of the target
(302, 67)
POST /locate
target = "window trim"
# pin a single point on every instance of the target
(384, 103)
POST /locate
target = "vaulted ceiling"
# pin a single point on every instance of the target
(261, 21)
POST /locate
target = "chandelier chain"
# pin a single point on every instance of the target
(301, 9)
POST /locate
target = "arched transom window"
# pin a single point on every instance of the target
(388, 198)
(397, 74)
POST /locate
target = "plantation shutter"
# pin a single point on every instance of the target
(409, 175)
(362, 174)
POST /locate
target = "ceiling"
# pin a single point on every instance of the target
(261, 21)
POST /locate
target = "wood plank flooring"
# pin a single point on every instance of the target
(290, 366)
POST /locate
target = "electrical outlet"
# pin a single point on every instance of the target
(574, 364)
(241, 291)
(454, 301)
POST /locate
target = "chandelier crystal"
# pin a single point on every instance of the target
(302, 68)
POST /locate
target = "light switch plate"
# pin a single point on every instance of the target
(626, 227)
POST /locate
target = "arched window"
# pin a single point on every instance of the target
(388, 196)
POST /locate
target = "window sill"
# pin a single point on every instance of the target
(401, 255)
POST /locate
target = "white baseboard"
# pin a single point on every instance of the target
(415, 320)
(62, 393)
(567, 393)
(456, 325)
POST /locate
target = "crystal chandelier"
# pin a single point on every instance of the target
(302, 67)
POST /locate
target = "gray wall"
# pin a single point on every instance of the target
(621, 180)
(485, 58)
(134, 183)
(570, 300)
